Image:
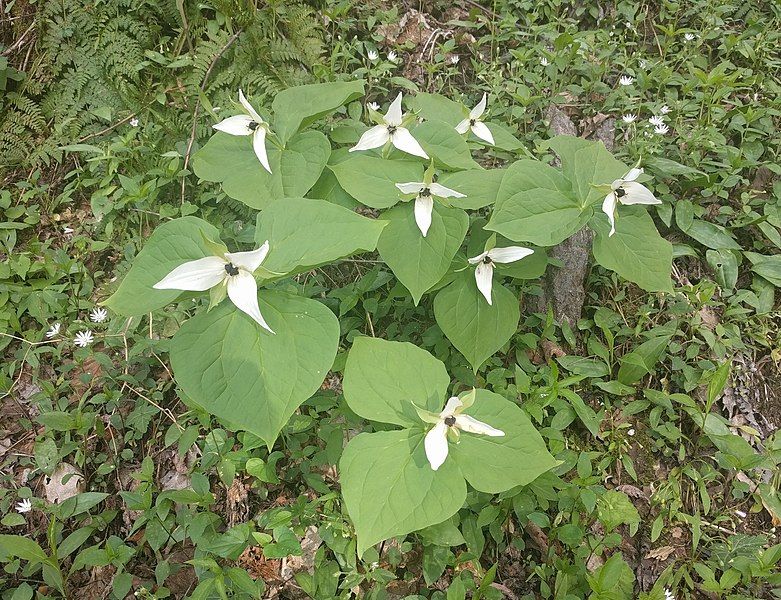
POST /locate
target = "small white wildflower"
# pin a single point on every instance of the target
(626, 80)
(67, 230)
(668, 595)
(661, 129)
(454, 59)
(373, 55)
(53, 331)
(392, 56)
(629, 118)
(24, 506)
(665, 109)
(741, 514)
(98, 315)
(643, 64)
(134, 122)
(631, 432)
(83, 338)
(544, 61)
(374, 106)
(689, 37)
(656, 121)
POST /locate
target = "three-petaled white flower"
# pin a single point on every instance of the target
(424, 198)
(249, 124)
(626, 191)
(452, 420)
(474, 123)
(626, 80)
(390, 128)
(629, 118)
(53, 331)
(233, 270)
(24, 506)
(83, 338)
(98, 315)
(484, 271)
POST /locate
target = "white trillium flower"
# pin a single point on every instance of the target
(626, 80)
(451, 419)
(98, 315)
(233, 269)
(629, 118)
(474, 123)
(424, 200)
(249, 124)
(626, 191)
(84, 338)
(24, 506)
(391, 130)
(53, 331)
(484, 272)
(661, 129)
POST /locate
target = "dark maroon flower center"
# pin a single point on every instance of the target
(620, 192)
(450, 421)
(231, 269)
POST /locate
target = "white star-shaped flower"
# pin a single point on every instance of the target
(626, 80)
(668, 595)
(455, 59)
(544, 61)
(98, 315)
(134, 122)
(664, 109)
(424, 199)
(661, 129)
(233, 270)
(390, 129)
(392, 56)
(452, 420)
(84, 338)
(474, 123)
(248, 124)
(656, 121)
(54, 330)
(689, 37)
(626, 191)
(374, 106)
(24, 506)
(629, 118)
(484, 271)
(373, 55)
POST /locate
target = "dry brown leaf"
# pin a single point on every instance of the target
(661, 553)
(58, 490)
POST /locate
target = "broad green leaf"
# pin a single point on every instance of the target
(445, 145)
(306, 233)
(612, 581)
(300, 106)
(504, 139)
(230, 160)
(531, 267)
(436, 107)
(420, 262)
(254, 380)
(517, 458)
(636, 251)
(642, 360)
(24, 548)
(327, 188)
(480, 186)
(372, 181)
(768, 267)
(474, 327)
(581, 365)
(171, 244)
(711, 235)
(586, 164)
(382, 379)
(614, 508)
(390, 489)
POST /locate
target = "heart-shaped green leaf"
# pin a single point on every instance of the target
(372, 181)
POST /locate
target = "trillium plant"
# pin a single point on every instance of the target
(472, 238)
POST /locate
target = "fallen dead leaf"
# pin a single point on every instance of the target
(661, 553)
(58, 490)
(306, 562)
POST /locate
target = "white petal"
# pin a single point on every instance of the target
(476, 259)
(481, 130)
(424, 206)
(444, 192)
(249, 260)
(393, 116)
(243, 292)
(436, 445)
(472, 425)
(413, 187)
(195, 275)
(453, 404)
(248, 107)
(609, 208)
(637, 193)
(373, 138)
(238, 125)
(404, 141)
(463, 126)
(633, 174)
(484, 276)
(259, 146)
(478, 110)
(509, 254)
